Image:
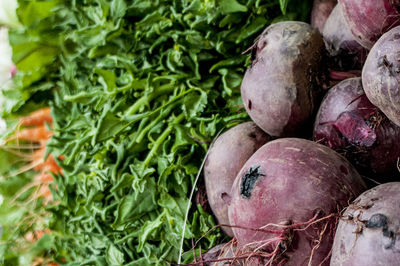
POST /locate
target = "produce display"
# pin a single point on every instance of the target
(205, 132)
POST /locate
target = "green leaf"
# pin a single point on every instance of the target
(114, 256)
(134, 206)
(231, 6)
(118, 8)
(283, 4)
(109, 127)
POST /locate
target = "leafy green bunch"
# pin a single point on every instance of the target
(138, 91)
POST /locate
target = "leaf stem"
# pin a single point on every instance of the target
(161, 138)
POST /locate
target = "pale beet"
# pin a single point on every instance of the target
(343, 48)
(293, 189)
(368, 232)
(225, 159)
(320, 12)
(381, 75)
(280, 88)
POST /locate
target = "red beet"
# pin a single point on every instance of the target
(350, 124)
(320, 12)
(225, 159)
(342, 46)
(369, 19)
(284, 189)
(280, 88)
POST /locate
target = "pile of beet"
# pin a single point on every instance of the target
(289, 193)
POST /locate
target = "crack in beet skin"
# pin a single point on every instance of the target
(355, 129)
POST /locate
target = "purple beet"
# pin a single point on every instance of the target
(320, 12)
(381, 75)
(225, 159)
(281, 87)
(369, 19)
(368, 232)
(350, 124)
(341, 45)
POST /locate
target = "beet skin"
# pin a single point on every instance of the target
(350, 124)
(280, 89)
(381, 75)
(369, 19)
(343, 48)
(225, 159)
(285, 188)
(320, 12)
(368, 232)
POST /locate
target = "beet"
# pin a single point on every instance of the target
(280, 89)
(320, 12)
(369, 19)
(287, 197)
(343, 48)
(368, 232)
(350, 124)
(225, 159)
(381, 75)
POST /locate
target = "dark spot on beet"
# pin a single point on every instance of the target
(288, 32)
(380, 221)
(383, 61)
(396, 36)
(226, 198)
(253, 135)
(342, 248)
(249, 105)
(343, 169)
(392, 236)
(290, 92)
(248, 181)
(261, 46)
(387, 233)
(376, 221)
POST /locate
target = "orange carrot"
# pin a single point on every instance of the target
(36, 235)
(44, 178)
(37, 118)
(45, 192)
(44, 262)
(37, 134)
(50, 165)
